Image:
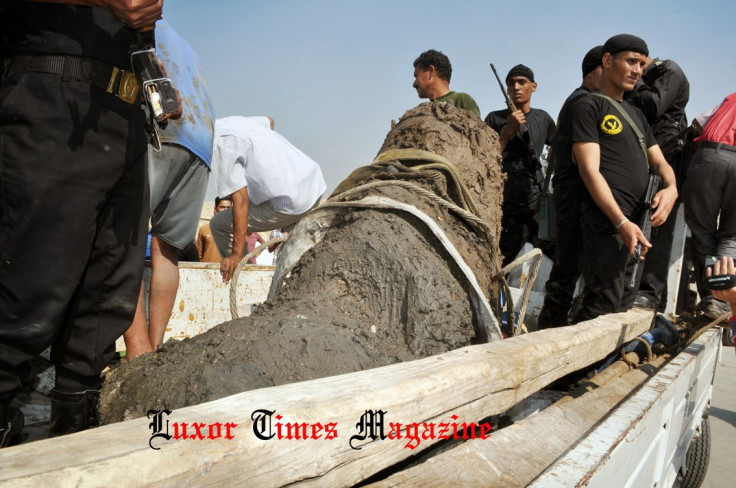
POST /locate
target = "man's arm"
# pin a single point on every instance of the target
(200, 243)
(665, 199)
(588, 158)
(133, 13)
(241, 205)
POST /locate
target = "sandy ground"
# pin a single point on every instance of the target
(723, 424)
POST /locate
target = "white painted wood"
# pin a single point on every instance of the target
(676, 261)
(203, 300)
(472, 383)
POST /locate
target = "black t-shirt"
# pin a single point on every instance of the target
(622, 164)
(565, 168)
(40, 28)
(521, 183)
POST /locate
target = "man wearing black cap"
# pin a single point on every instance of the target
(614, 168)
(523, 179)
(661, 94)
(568, 188)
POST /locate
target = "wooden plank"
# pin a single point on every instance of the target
(471, 383)
(516, 455)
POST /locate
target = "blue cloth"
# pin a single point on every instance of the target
(195, 129)
(148, 245)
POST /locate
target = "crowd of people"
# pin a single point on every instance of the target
(624, 123)
(79, 184)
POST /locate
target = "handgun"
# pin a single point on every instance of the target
(158, 91)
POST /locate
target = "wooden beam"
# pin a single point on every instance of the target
(514, 456)
(471, 383)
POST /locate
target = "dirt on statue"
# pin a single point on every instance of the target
(377, 288)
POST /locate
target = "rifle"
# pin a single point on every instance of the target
(536, 165)
(646, 224)
(158, 92)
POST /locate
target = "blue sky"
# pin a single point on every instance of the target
(334, 73)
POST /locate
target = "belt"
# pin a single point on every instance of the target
(718, 146)
(121, 83)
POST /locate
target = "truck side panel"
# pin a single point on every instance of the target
(643, 442)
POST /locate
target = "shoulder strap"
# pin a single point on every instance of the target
(634, 127)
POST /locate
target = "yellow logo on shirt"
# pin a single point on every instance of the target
(611, 125)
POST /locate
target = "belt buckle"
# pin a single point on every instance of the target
(127, 89)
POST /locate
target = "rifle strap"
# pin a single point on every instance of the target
(632, 124)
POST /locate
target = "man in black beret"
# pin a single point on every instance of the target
(568, 189)
(615, 170)
(520, 220)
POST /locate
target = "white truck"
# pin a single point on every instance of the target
(647, 431)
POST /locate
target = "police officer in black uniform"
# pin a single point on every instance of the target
(522, 188)
(662, 94)
(73, 196)
(615, 170)
(568, 191)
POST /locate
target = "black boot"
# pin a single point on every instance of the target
(11, 425)
(73, 412)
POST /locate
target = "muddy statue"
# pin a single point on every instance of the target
(398, 264)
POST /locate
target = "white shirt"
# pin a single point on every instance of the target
(248, 153)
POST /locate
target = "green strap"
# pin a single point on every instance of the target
(634, 127)
(419, 159)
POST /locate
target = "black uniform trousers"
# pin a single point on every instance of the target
(657, 263)
(710, 207)
(73, 211)
(520, 215)
(565, 273)
(606, 266)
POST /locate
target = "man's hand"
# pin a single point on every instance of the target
(508, 131)
(229, 265)
(723, 266)
(515, 120)
(663, 202)
(632, 235)
(135, 13)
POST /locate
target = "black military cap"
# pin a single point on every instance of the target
(625, 42)
(592, 59)
(521, 70)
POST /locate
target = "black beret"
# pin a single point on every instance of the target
(592, 59)
(625, 42)
(521, 70)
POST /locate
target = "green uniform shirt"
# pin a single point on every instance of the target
(462, 100)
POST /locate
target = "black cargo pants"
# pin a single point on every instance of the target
(606, 266)
(73, 210)
(710, 207)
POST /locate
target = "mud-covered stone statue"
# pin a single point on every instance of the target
(364, 280)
